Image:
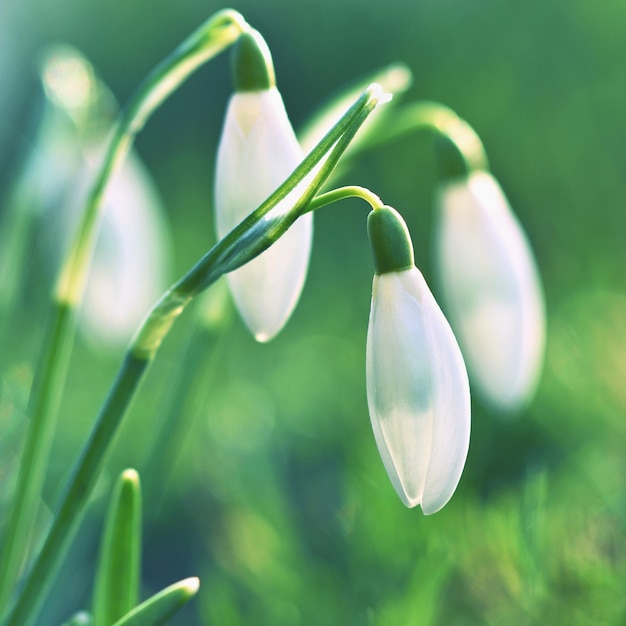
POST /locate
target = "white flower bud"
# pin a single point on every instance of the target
(257, 152)
(417, 387)
(491, 289)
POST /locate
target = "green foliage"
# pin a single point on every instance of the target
(160, 607)
(119, 568)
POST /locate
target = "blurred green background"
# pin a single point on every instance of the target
(279, 501)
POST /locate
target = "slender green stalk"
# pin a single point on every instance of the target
(438, 118)
(341, 193)
(211, 38)
(44, 401)
(255, 234)
(80, 486)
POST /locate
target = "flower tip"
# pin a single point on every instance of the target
(130, 475)
(264, 337)
(377, 93)
(191, 585)
(253, 69)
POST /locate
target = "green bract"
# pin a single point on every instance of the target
(253, 69)
(390, 240)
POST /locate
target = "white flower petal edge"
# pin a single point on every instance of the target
(257, 152)
(417, 391)
(491, 290)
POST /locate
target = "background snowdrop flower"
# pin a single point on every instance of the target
(130, 266)
(257, 152)
(417, 386)
(491, 289)
(129, 269)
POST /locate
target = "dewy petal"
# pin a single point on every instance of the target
(417, 388)
(257, 152)
(491, 289)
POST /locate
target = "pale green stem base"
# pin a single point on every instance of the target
(43, 408)
(77, 494)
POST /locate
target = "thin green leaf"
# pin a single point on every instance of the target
(118, 576)
(160, 607)
(394, 79)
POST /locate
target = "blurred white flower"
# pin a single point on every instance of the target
(417, 387)
(491, 289)
(130, 267)
(131, 262)
(258, 150)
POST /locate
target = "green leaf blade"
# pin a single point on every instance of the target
(161, 606)
(118, 576)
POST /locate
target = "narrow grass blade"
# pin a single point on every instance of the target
(161, 606)
(118, 576)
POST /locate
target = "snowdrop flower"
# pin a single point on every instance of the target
(491, 289)
(417, 387)
(129, 269)
(130, 265)
(257, 152)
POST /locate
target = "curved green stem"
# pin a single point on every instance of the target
(341, 193)
(442, 120)
(256, 233)
(207, 41)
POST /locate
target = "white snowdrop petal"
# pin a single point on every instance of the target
(451, 428)
(491, 289)
(418, 394)
(130, 266)
(257, 151)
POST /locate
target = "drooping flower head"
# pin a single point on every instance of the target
(257, 152)
(130, 266)
(491, 288)
(417, 386)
